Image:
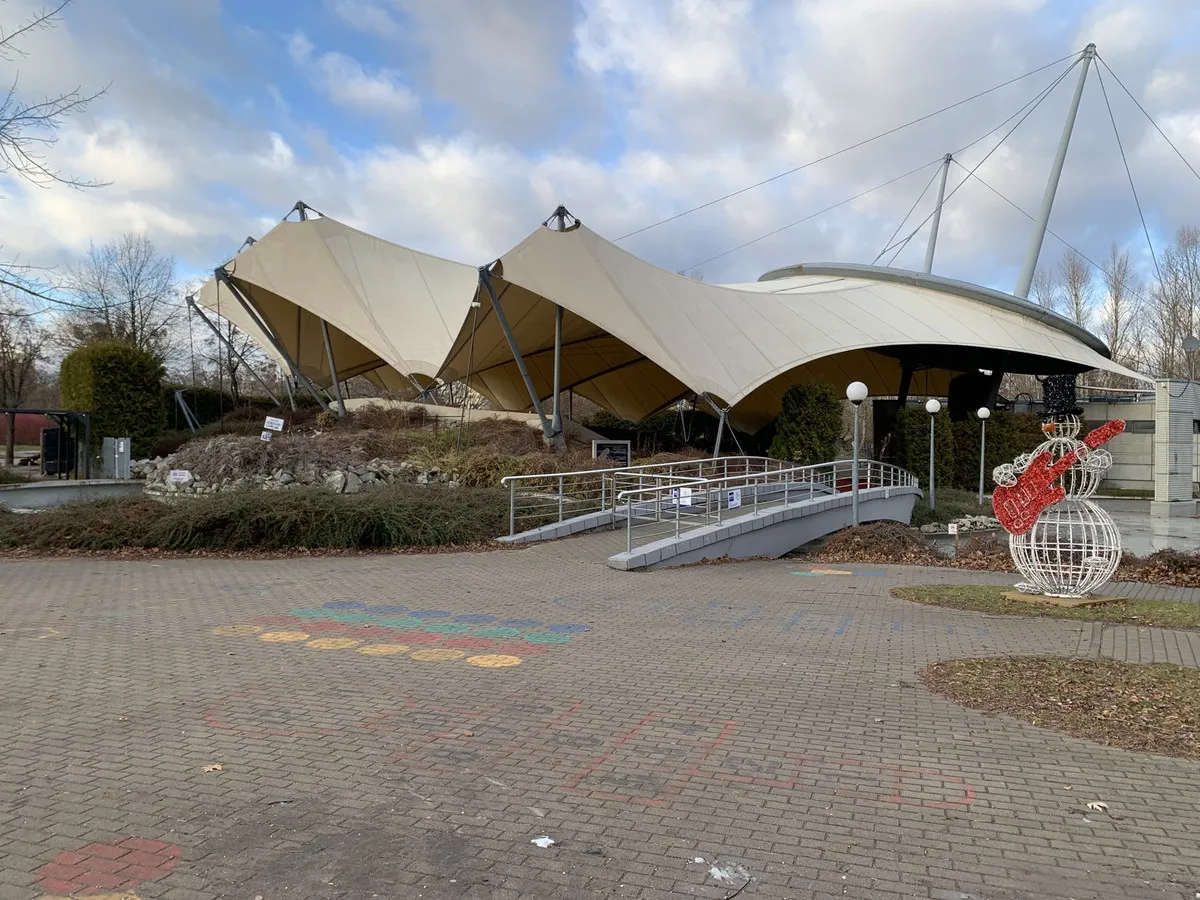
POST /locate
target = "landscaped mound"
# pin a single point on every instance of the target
(1150, 708)
(399, 516)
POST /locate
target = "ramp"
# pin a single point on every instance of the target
(706, 509)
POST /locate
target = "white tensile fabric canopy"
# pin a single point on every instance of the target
(635, 337)
(392, 312)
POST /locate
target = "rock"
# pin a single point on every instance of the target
(353, 485)
(932, 528)
(422, 478)
(336, 482)
(285, 478)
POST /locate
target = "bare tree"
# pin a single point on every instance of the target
(1045, 289)
(1174, 309)
(122, 290)
(21, 344)
(1077, 288)
(29, 130)
(1120, 312)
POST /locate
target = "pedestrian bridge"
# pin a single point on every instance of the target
(684, 512)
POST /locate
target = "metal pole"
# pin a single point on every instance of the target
(720, 432)
(512, 508)
(547, 429)
(223, 276)
(982, 451)
(337, 388)
(931, 461)
(87, 443)
(217, 331)
(854, 473)
(560, 498)
(1043, 220)
(937, 220)
(556, 415)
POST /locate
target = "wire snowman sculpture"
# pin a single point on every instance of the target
(1063, 544)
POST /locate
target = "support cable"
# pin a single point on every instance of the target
(854, 146)
(1129, 175)
(1032, 107)
(1025, 109)
(1149, 118)
(911, 209)
(821, 212)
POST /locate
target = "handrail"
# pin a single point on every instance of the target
(508, 479)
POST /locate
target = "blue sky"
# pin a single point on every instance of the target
(456, 126)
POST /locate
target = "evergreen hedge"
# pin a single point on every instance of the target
(809, 427)
(121, 387)
(911, 435)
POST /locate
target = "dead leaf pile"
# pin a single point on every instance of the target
(1136, 706)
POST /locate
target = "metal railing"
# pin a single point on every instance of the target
(672, 505)
(536, 500)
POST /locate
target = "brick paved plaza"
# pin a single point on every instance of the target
(406, 726)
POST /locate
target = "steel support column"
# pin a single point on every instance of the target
(223, 277)
(547, 430)
(1043, 220)
(937, 216)
(556, 416)
(217, 331)
(337, 388)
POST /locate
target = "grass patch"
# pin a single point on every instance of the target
(395, 517)
(949, 504)
(13, 476)
(990, 599)
(1135, 706)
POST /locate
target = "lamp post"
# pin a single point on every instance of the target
(856, 393)
(933, 407)
(1191, 344)
(984, 413)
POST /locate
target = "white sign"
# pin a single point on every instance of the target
(735, 498)
(683, 496)
(179, 476)
(953, 526)
(265, 436)
(273, 424)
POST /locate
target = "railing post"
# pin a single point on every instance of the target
(560, 498)
(677, 499)
(512, 508)
(756, 495)
(603, 494)
(629, 525)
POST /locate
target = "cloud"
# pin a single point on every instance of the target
(628, 112)
(345, 82)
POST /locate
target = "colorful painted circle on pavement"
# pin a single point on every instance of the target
(390, 609)
(430, 613)
(494, 661)
(448, 628)
(523, 648)
(354, 617)
(236, 630)
(475, 620)
(546, 637)
(313, 613)
(284, 637)
(468, 643)
(522, 623)
(383, 649)
(498, 632)
(402, 622)
(438, 655)
(333, 643)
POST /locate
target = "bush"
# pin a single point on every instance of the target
(1008, 435)
(121, 386)
(809, 427)
(397, 516)
(911, 441)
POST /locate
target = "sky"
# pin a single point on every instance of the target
(456, 126)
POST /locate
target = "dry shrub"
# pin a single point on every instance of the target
(397, 516)
(1169, 567)
(880, 542)
(983, 552)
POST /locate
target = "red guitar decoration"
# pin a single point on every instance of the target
(1018, 506)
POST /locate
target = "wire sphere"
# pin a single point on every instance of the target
(1073, 549)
